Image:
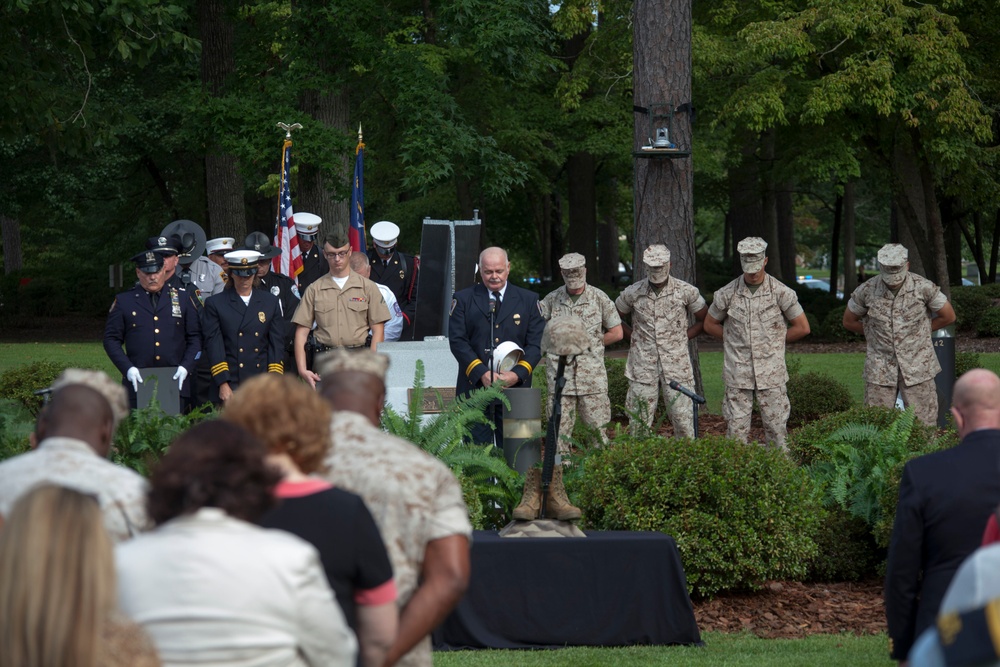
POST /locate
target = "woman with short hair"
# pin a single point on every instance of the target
(296, 431)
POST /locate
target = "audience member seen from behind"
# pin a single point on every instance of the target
(296, 432)
(945, 499)
(57, 587)
(208, 585)
(72, 442)
(415, 499)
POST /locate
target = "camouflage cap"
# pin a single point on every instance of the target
(358, 361)
(566, 335)
(573, 260)
(101, 382)
(656, 255)
(752, 253)
(892, 257)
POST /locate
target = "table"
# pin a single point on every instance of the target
(611, 588)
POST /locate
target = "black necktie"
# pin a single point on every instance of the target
(153, 298)
(496, 297)
(385, 263)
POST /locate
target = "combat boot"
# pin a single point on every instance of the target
(531, 499)
(557, 505)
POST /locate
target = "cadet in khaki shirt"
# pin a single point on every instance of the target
(658, 351)
(343, 305)
(749, 316)
(896, 312)
(586, 389)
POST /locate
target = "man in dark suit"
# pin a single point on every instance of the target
(945, 500)
(244, 332)
(396, 270)
(515, 317)
(157, 325)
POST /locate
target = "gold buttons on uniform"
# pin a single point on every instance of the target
(157, 357)
(241, 333)
(156, 318)
(156, 331)
(157, 343)
(241, 365)
(241, 349)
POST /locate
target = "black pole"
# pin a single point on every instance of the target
(552, 432)
(696, 400)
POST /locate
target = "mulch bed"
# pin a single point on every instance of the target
(789, 610)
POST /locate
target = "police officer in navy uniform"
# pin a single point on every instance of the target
(516, 317)
(314, 265)
(157, 325)
(396, 270)
(244, 332)
(169, 246)
(279, 285)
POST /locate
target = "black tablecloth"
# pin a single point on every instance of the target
(612, 588)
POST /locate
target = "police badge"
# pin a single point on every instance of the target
(517, 319)
(261, 317)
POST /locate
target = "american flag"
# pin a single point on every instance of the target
(289, 262)
(356, 233)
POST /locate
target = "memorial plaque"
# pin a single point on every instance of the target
(440, 372)
(161, 382)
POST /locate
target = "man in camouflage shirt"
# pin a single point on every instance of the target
(749, 316)
(586, 389)
(415, 499)
(896, 311)
(660, 307)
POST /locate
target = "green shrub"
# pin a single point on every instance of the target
(44, 296)
(145, 435)
(446, 436)
(804, 444)
(989, 323)
(965, 362)
(741, 514)
(832, 329)
(969, 303)
(847, 550)
(818, 303)
(16, 424)
(813, 395)
(20, 384)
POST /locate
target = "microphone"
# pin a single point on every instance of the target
(493, 306)
(676, 386)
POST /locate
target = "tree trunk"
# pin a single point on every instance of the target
(325, 195)
(838, 221)
(850, 241)
(935, 230)
(995, 248)
(226, 214)
(11, 231)
(607, 235)
(544, 223)
(661, 81)
(786, 231)
(581, 176)
(769, 207)
(745, 216)
(664, 210)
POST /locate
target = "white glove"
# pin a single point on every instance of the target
(179, 376)
(134, 377)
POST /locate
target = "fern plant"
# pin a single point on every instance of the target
(145, 435)
(859, 465)
(447, 436)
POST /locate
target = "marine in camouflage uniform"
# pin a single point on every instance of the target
(586, 389)
(896, 312)
(660, 306)
(749, 316)
(414, 498)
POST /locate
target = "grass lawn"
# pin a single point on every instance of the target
(720, 650)
(80, 355)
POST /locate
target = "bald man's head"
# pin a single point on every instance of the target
(78, 411)
(976, 401)
(355, 391)
(359, 264)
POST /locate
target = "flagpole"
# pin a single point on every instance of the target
(356, 231)
(289, 261)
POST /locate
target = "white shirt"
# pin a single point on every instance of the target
(394, 327)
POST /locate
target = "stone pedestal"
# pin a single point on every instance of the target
(440, 373)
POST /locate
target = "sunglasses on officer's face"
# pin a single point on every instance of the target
(245, 273)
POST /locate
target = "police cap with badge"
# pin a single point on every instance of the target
(168, 246)
(148, 261)
(384, 235)
(242, 263)
(307, 225)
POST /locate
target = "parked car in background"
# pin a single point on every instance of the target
(817, 283)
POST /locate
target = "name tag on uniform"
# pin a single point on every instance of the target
(175, 303)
